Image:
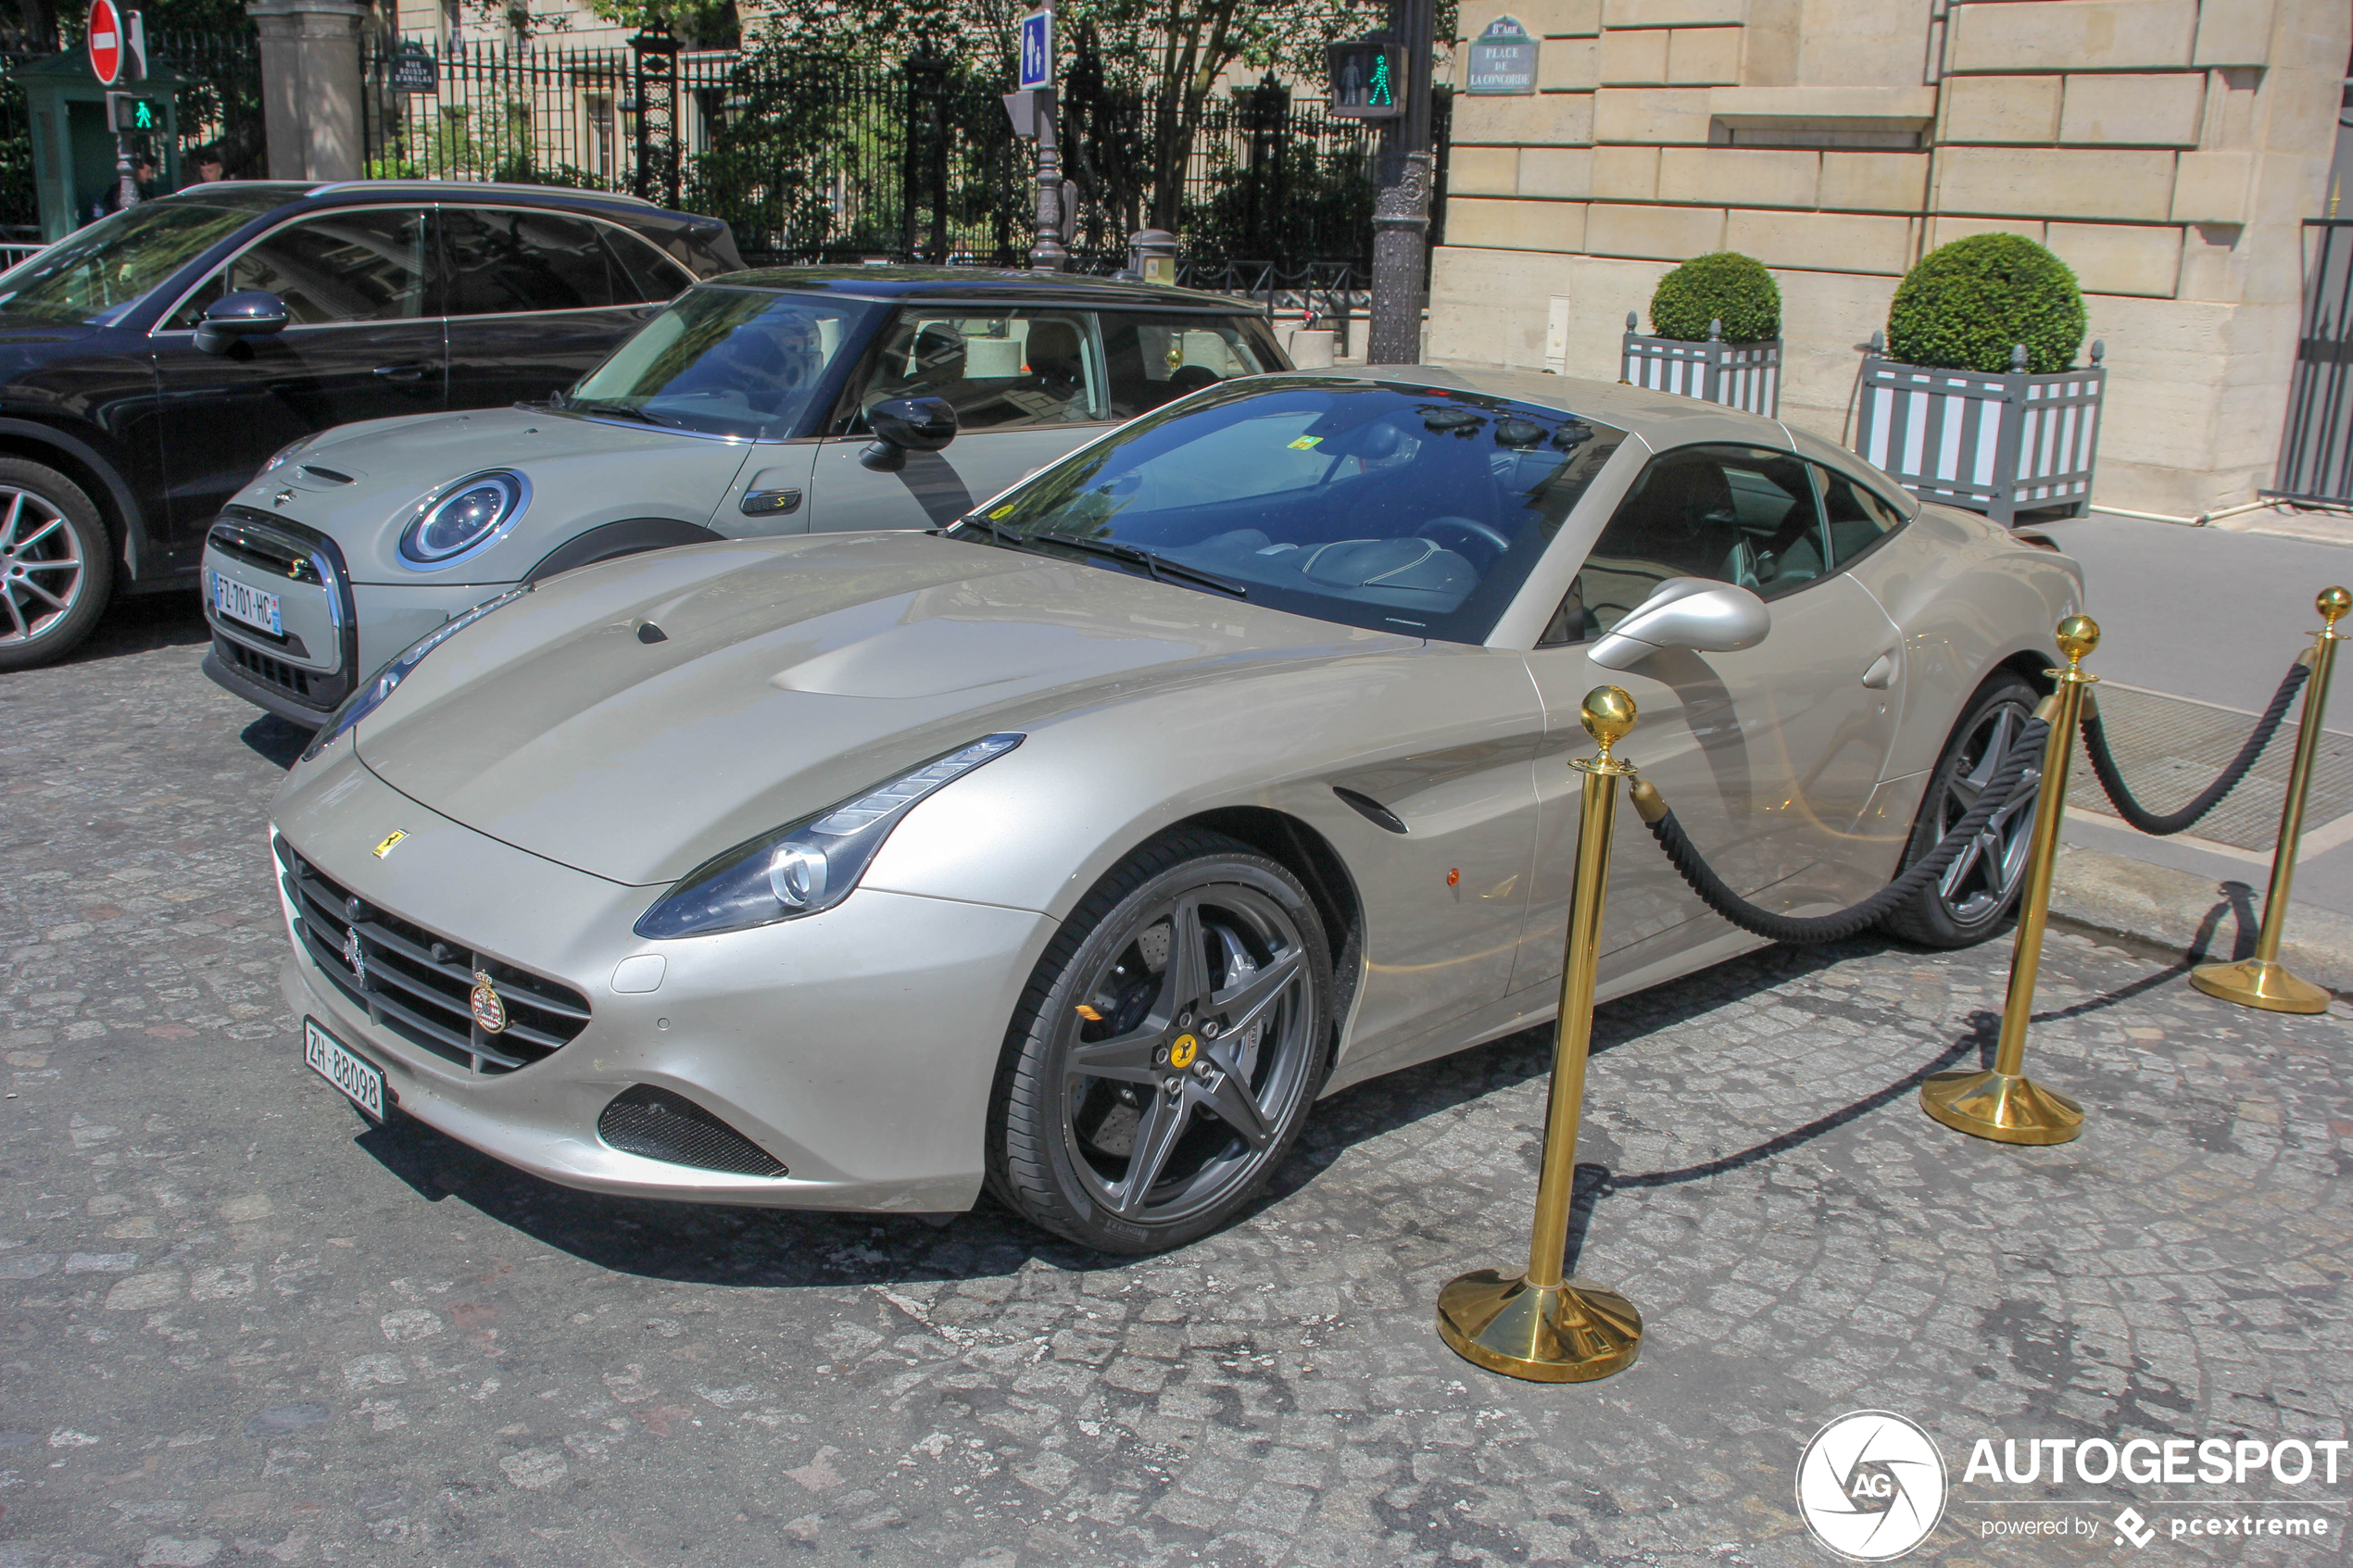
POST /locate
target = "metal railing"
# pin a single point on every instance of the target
(2316, 448)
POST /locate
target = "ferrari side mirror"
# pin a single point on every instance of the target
(1685, 612)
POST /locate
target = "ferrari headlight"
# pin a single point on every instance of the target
(367, 698)
(809, 865)
(463, 516)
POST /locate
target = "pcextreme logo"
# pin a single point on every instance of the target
(1870, 1486)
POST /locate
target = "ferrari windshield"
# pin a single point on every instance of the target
(724, 361)
(116, 259)
(1408, 509)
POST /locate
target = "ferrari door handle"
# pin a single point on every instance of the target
(403, 372)
(1882, 675)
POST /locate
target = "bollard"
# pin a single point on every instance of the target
(2262, 980)
(1539, 1325)
(2005, 1105)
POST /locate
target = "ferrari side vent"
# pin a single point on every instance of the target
(661, 1125)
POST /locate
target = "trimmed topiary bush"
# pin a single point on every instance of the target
(1724, 286)
(1963, 305)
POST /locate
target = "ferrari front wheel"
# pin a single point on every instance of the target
(1166, 1050)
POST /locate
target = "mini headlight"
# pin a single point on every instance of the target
(809, 865)
(370, 697)
(464, 514)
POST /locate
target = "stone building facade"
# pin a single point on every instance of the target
(2168, 150)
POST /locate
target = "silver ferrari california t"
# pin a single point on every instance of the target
(1071, 850)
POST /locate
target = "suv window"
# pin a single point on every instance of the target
(653, 274)
(1021, 367)
(366, 264)
(116, 259)
(1737, 514)
(504, 259)
(1859, 516)
(1148, 360)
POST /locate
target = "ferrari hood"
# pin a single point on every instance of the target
(633, 720)
(360, 484)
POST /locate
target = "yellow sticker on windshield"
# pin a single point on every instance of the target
(1000, 511)
(1305, 441)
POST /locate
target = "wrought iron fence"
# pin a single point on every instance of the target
(814, 160)
(2315, 449)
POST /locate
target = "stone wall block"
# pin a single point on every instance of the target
(1626, 174)
(2212, 187)
(2002, 108)
(1483, 172)
(2057, 182)
(1567, 65)
(2134, 110)
(1543, 18)
(1672, 13)
(2052, 35)
(1737, 176)
(1532, 120)
(1874, 181)
(1651, 115)
(1635, 58)
(1703, 57)
(1660, 234)
(2119, 258)
(1516, 225)
(1823, 242)
(1556, 171)
(1944, 230)
(2234, 33)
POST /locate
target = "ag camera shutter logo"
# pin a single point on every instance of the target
(1870, 1486)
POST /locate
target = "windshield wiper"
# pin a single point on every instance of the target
(614, 408)
(1159, 568)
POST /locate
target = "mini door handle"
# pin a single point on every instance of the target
(402, 372)
(1882, 675)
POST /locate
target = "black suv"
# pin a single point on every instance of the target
(151, 362)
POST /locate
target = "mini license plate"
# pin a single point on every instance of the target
(251, 606)
(356, 1078)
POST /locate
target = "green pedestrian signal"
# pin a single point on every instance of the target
(133, 113)
(1366, 78)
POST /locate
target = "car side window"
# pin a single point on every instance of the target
(366, 264)
(653, 274)
(1859, 516)
(500, 260)
(1149, 360)
(1021, 368)
(1737, 514)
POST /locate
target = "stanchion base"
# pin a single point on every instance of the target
(1996, 1106)
(2254, 984)
(1571, 1333)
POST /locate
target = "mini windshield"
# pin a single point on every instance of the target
(1408, 509)
(115, 260)
(724, 361)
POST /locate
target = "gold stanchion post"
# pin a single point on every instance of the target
(1539, 1324)
(2005, 1105)
(2262, 980)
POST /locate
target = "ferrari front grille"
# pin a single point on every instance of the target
(659, 1124)
(418, 984)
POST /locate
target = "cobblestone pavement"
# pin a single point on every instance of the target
(236, 1326)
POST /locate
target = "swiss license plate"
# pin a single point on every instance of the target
(356, 1078)
(253, 607)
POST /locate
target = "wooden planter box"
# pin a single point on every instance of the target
(1746, 376)
(1999, 445)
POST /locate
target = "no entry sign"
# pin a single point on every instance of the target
(104, 34)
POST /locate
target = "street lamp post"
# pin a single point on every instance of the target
(1400, 209)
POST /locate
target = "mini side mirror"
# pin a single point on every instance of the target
(1685, 612)
(247, 313)
(907, 424)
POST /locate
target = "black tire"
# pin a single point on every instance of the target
(1975, 900)
(54, 546)
(1066, 1129)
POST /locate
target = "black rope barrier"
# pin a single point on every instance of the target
(2002, 790)
(2112, 779)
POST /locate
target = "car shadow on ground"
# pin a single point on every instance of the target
(733, 1245)
(142, 623)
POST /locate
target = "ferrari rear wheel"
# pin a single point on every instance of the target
(1166, 1050)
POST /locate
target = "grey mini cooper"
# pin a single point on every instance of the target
(772, 402)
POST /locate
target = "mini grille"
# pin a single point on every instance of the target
(416, 984)
(261, 667)
(661, 1125)
(268, 548)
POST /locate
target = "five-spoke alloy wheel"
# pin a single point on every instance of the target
(1167, 1047)
(56, 564)
(1977, 897)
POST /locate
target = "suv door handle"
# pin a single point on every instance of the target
(403, 372)
(1882, 675)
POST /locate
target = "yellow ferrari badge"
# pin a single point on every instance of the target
(1181, 1054)
(394, 837)
(488, 1008)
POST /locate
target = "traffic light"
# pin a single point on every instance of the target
(134, 113)
(1368, 79)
